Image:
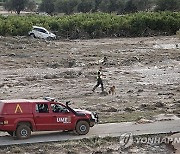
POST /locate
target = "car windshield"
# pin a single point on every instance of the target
(41, 30)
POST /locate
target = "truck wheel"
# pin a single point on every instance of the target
(23, 132)
(82, 128)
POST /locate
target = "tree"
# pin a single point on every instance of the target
(121, 5)
(19, 5)
(168, 5)
(31, 5)
(85, 6)
(111, 5)
(66, 6)
(15, 5)
(143, 5)
(8, 5)
(115, 5)
(103, 7)
(96, 5)
(47, 6)
(130, 7)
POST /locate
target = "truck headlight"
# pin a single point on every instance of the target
(94, 116)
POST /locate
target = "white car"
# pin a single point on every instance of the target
(40, 32)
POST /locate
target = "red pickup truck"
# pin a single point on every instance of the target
(21, 117)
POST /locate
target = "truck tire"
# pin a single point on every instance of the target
(23, 132)
(82, 128)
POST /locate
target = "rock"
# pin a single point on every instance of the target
(53, 65)
(144, 105)
(129, 109)
(72, 63)
(166, 93)
(79, 73)
(6, 79)
(71, 74)
(126, 73)
(88, 94)
(159, 104)
(144, 121)
(130, 91)
(2, 85)
(31, 78)
(12, 55)
(147, 107)
(111, 109)
(50, 76)
(140, 90)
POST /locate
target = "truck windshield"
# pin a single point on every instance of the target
(58, 108)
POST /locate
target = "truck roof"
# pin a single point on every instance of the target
(24, 101)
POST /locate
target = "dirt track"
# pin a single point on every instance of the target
(145, 71)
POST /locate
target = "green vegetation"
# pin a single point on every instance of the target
(90, 6)
(38, 1)
(19, 5)
(107, 6)
(95, 25)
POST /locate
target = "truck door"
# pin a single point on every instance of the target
(42, 116)
(63, 119)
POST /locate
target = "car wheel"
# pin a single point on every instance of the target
(49, 38)
(32, 35)
(23, 132)
(82, 127)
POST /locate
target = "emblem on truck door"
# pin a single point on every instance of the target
(18, 109)
(64, 119)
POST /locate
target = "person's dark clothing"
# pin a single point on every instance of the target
(99, 81)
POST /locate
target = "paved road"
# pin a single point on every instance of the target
(101, 130)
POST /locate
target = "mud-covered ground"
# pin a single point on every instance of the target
(108, 145)
(145, 72)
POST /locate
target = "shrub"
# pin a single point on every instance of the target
(95, 25)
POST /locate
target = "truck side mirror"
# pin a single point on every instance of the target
(67, 103)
